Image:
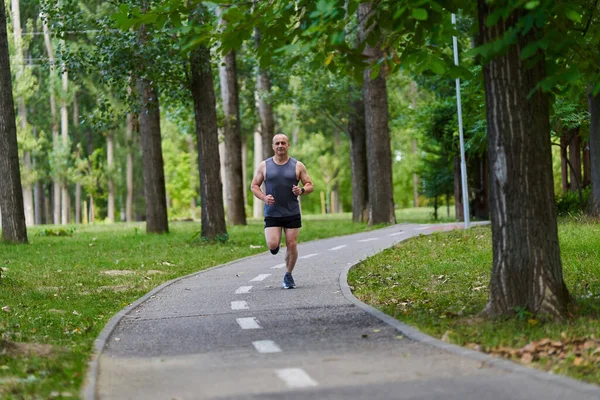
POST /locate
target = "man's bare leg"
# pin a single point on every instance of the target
(273, 237)
(291, 245)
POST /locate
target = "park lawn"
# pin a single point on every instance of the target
(440, 282)
(58, 292)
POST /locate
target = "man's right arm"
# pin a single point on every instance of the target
(259, 178)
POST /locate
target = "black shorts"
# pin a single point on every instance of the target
(292, 222)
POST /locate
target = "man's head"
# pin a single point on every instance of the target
(281, 144)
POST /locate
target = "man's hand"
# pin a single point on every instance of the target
(269, 200)
(297, 190)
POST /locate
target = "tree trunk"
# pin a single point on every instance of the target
(358, 161)
(55, 133)
(564, 168)
(78, 202)
(211, 189)
(480, 209)
(379, 156)
(585, 149)
(11, 193)
(265, 108)
(527, 270)
(236, 213)
(193, 162)
(257, 205)
(64, 125)
(459, 211)
(222, 169)
(129, 169)
(154, 176)
(245, 183)
(22, 109)
(110, 155)
(593, 207)
(575, 159)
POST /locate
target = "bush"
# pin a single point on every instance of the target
(570, 204)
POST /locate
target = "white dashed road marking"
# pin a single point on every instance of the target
(248, 323)
(368, 240)
(295, 377)
(309, 255)
(266, 346)
(239, 305)
(261, 277)
(396, 233)
(278, 266)
(423, 228)
(243, 289)
(338, 247)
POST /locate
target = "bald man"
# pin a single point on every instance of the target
(282, 174)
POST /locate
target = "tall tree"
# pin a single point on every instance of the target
(379, 157)
(265, 108)
(236, 213)
(211, 189)
(11, 192)
(527, 270)
(154, 175)
(22, 109)
(594, 144)
(358, 160)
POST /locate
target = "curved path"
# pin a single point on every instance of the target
(232, 332)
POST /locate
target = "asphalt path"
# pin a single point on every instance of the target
(232, 332)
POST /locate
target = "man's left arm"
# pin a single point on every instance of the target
(307, 184)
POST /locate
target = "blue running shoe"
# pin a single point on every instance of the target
(274, 251)
(288, 281)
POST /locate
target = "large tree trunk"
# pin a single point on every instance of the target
(480, 209)
(11, 192)
(64, 127)
(154, 175)
(236, 213)
(265, 108)
(110, 156)
(379, 156)
(593, 207)
(358, 161)
(211, 189)
(527, 270)
(54, 116)
(22, 109)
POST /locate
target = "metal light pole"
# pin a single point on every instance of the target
(463, 164)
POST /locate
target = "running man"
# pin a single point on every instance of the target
(281, 174)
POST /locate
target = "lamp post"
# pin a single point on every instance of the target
(463, 164)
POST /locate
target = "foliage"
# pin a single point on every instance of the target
(570, 204)
(440, 282)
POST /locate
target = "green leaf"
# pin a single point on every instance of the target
(419, 14)
(532, 4)
(529, 50)
(573, 15)
(436, 65)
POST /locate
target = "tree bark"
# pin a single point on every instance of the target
(64, 127)
(459, 211)
(129, 169)
(110, 156)
(22, 109)
(585, 150)
(236, 213)
(379, 157)
(480, 209)
(358, 161)
(564, 168)
(257, 205)
(593, 207)
(575, 158)
(527, 270)
(55, 133)
(265, 108)
(11, 192)
(211, 189)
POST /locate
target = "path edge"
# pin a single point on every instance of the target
(486, 360)
(88, 391)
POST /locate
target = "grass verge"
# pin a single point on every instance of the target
(439, 283)
(58, 292)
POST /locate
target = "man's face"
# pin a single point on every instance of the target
(280, 144)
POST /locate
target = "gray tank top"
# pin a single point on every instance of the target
(279, 180)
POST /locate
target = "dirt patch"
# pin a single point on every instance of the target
(16, 349)
(115, 289)
(117, 272)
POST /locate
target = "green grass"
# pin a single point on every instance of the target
(439, 284)
(54, 292)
